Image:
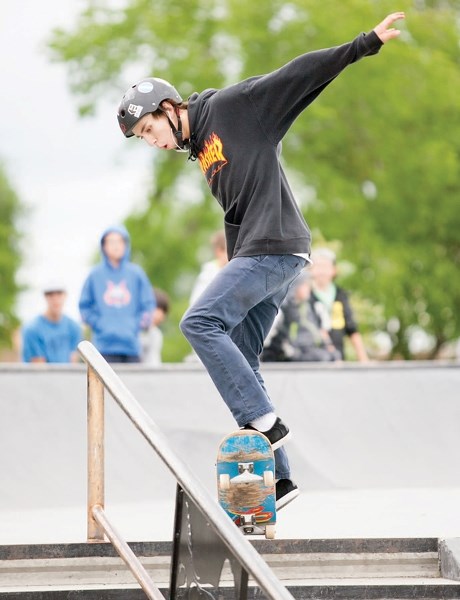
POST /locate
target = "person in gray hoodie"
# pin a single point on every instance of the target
(235, 134)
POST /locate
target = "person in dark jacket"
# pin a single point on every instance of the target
(296, 335)
(235, 134)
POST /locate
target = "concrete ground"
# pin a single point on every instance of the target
(375, 451)
(315, 515)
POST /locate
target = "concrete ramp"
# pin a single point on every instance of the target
(373, 446)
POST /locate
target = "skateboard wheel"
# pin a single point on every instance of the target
(270, 531)
(224, 481)
(269, 480)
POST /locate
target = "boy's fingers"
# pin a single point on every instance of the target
(390, 19)
(384, 29)
(395, 16)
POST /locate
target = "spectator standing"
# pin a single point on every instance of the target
(117, 300)
(332, 305)
(296, 334)
(210, 269)
(152, 338)
(52, 337)
(207, 273)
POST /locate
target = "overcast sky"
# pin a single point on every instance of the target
(76, 176)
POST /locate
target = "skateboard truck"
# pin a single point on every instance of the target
(242, 467)
(246, 473)
(248, 523)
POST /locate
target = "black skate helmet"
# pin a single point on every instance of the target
(142, 98)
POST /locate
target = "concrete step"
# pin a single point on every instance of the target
(386, 568)
(394, 589)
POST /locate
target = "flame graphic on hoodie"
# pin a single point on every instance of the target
(212, 157)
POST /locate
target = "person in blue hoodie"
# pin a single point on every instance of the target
(117, 300)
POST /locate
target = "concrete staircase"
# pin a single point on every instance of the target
(341, 569)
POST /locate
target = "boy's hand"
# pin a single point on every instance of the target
(384, 30)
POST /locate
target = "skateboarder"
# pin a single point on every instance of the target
(235, 134)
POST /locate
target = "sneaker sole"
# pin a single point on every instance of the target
(282, 441)
(282, 502)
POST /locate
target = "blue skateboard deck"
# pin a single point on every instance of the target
(246, 482)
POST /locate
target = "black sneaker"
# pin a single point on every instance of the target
(286, 491)
(277, 435)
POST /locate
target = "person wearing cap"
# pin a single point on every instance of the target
(235, 135)
(53, 336)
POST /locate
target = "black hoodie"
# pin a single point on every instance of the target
(236, 134)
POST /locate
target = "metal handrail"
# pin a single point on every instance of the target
(98, 523)
(127, 555)
(99, 369)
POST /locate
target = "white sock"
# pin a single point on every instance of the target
(265, 422)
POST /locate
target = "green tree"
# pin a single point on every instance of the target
(392, 195)
(375, 160)
(10, 259)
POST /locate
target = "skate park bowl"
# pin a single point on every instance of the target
(375, 449)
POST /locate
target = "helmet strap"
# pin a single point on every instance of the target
(182, 146)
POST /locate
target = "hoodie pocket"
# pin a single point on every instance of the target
(231, 234)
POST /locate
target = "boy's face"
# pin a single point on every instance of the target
(114, 246)
(323, 270)
(156, 132)
(55, 301)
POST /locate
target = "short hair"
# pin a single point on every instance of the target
(162, 299)
(218, 241)
(159, 112)
(326, 253)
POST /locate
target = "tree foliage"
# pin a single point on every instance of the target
(10, 259)
(375, 160)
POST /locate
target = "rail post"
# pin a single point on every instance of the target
(95, 428)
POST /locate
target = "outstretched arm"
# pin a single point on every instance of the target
(384, 30)
(298, 83)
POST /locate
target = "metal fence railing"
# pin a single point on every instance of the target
(209, 552)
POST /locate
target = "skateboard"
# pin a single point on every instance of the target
(246, 482)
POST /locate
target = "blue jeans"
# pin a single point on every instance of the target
(227, 327)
